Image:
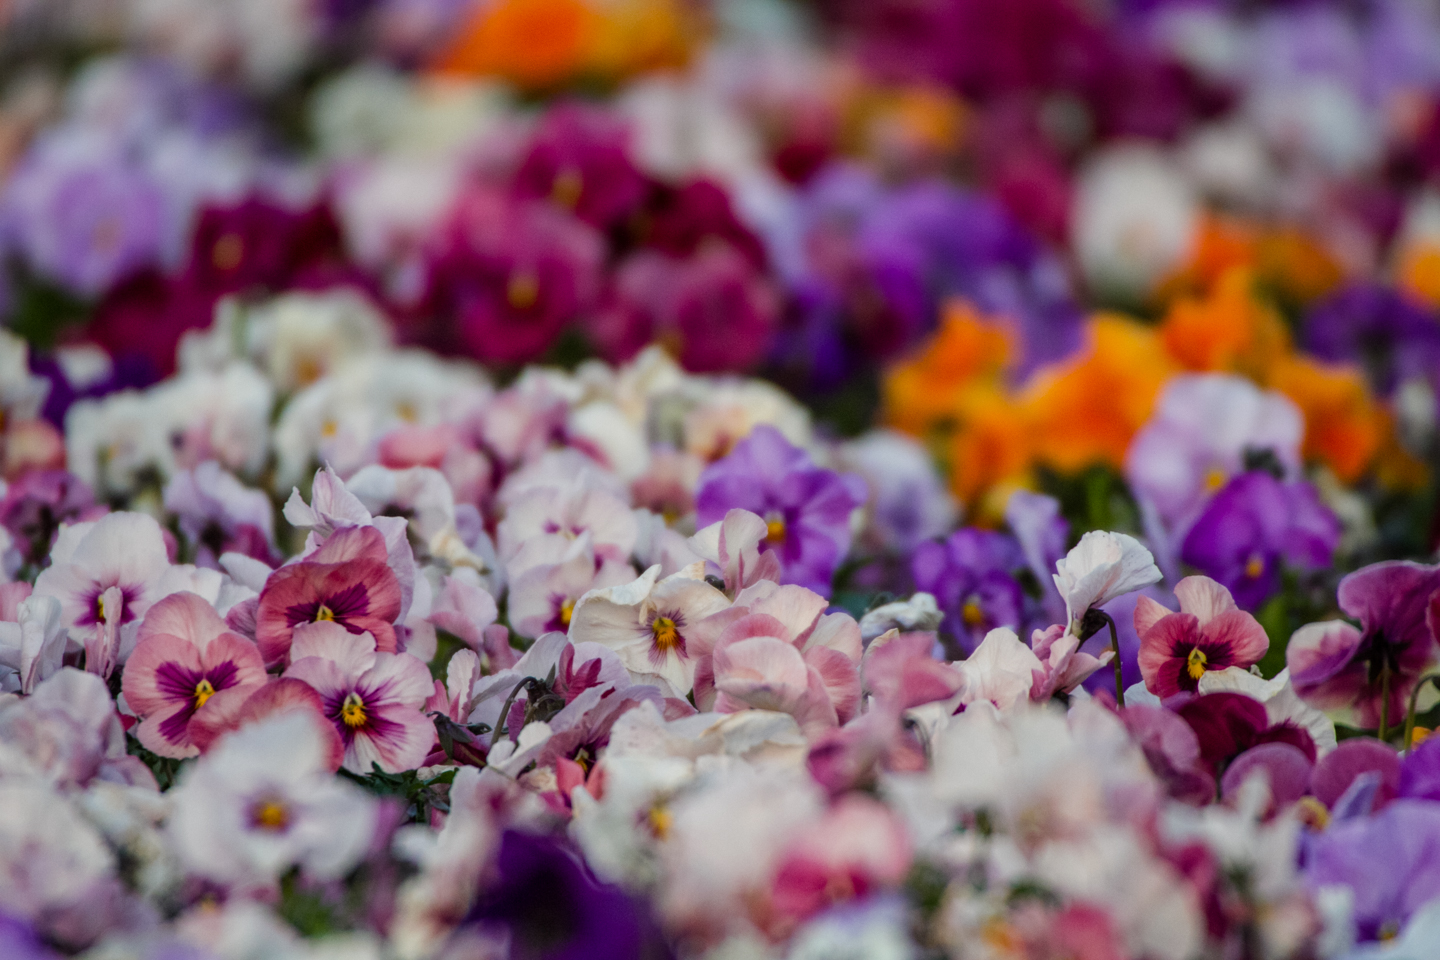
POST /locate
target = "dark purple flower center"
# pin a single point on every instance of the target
(342, 607)
(193, 688)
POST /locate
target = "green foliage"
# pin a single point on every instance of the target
(41, 312)
(1095, 499)
(419, 795)
(306, 909)
(165, 769)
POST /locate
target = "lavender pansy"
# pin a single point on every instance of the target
(1390, 862)
(264, 800)
(806, 508)
(1203, 427)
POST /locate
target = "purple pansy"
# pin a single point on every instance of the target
(1391, 862)
(1395, 337)
(545, 898)
(1253, 527)
(1335, 666)
(806, 508)
(970, 575)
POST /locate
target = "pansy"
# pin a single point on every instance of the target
(650, 625)
(806, 508)
(333, 508)
(1204, 428)
(733, 545)
(555, 574)
(346, 581)
(1371, 670)
(1390, 862)
(563, 513)
(263, 801)
(185, 655)
(776, 649)
(1209, 633)
(374, 699)
(1101, 567)
(219, 514)
(1252, 527)
(970, 575)
(105, 574)
(32, 638)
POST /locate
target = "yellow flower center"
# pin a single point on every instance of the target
(329, 428)
(1254, 566)
(204, 690)
(523, 290)
(352, 711)
(775, 530)
(568, 186)
(567, 610)
(667, 637)
(971, 613)
(1195, 663)
(100, 607)
(271, 815)
(324, 613)
(1215, 479)
(1313, 813)
(659, 820)
(228, 251)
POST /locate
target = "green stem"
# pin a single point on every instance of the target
(505, 711)
(1414, 705)
(1119, 674)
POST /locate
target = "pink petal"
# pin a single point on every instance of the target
(841, 679)
(1204, 598)
(1147, 613)
(1240, 632)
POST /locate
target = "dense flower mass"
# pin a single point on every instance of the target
(719, 480)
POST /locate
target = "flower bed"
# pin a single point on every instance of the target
(563, 478)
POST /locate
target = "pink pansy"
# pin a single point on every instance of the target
(857, 848)
(185, 656)
(565, 514)
(1064, 667)
(650, 625)
(899, 671)
(1209, 633)
(828, 642)
(551, 579)
(333, 509)
(237, 707)
(121, 552)
(374, 700)
(733, 545)
(464, 608)
(755, 669)
(346, 581)
(1002, 670)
